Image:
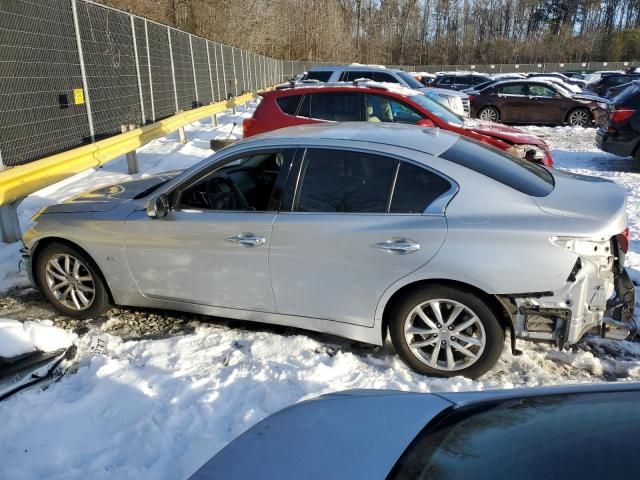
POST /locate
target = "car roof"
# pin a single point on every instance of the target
(433, 141)
(353, 67)
(358, 85)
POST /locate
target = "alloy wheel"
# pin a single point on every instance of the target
(444, 334)
(579, 118)
(70, 281)
(489, 114)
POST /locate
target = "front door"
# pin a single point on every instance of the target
(212, 248)
(357, 225)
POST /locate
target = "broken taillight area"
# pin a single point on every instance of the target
(624, 239)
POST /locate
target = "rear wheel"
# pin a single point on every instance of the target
(490, 114)
(445, 332)
(580, 117)
(71, 282)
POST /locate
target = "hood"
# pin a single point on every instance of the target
(443, 92)
(341, 435)
(105, 198)
(597, 205)
(503, 132)
(588, 96)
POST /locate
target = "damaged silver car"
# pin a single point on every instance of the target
(365, 231)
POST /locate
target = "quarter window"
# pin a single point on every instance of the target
(345, 181)
(289, 104)
(416, 188)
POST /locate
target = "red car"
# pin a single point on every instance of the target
(303, 104)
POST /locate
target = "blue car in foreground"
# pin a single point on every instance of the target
(574, 432)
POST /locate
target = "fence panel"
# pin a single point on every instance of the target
(201, 64)
(109, 58)
(39, 73)
(143, 67)
(183, 69)
(220, 69)
(161, 76)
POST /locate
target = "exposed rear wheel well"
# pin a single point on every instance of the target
(48, 241)
(492, 302)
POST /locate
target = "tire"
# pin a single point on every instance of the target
(86, 296)
(579, 117)
(491, 114)
(485, 332)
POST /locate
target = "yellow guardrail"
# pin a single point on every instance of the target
(23, 180)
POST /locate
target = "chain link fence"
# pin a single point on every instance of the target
(73, 72)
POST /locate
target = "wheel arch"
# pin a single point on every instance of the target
(41, 244)
(490, 300)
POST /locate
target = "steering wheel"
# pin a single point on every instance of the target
(214, 197)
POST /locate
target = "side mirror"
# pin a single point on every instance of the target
(425, 122)
(557, 95)
(158, 206)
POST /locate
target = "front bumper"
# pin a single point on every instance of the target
(26, 266)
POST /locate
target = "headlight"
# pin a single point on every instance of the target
(528, 152)
(603, 105)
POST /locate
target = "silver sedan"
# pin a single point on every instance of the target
(357, 230)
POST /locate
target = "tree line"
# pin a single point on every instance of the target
(411, 32)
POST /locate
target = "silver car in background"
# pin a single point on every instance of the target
(358, 230)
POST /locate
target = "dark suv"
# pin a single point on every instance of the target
(459, 81)
(612, 80)
(620, 132)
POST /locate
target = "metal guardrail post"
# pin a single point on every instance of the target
(182, 135)
(83, 72)
(132, 157)
(136, 58)
(193, 69)
(173, 68)
(9, 224)
(146, 38)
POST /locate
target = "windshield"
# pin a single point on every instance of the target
(409, 79)
(439, 110)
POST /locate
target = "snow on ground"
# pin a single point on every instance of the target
(158, 409)
(18, 338)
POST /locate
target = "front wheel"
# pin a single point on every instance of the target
(445, 332)
(71, 282)
(580, 117)
(490, 114)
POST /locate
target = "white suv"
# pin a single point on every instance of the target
(458, 102)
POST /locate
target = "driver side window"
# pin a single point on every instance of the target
(249, 183)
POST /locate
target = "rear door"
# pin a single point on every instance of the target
(355, 224)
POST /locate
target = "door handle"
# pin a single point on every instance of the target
(247, 240)
(398, 246)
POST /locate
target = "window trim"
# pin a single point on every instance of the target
(205, 172)
(436, 208)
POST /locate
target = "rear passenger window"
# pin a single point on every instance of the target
(345, 182)
(384, 77)
(349, 76)
(289, 104)
(337, 106)
(320, 76)
(416, 188)
(512, 90)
